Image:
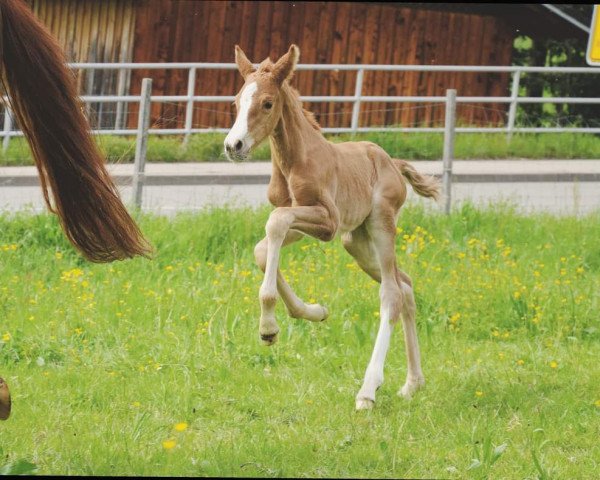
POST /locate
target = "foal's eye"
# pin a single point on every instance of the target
(267, 105)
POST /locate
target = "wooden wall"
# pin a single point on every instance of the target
(326, 32)
(92, 31)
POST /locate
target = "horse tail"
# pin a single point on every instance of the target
(43, 96)
(424, 185)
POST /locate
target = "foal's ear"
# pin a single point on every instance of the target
(244, 65)
(284, 68)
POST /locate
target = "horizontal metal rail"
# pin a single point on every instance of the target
(334, 66)
(183, 131)
(337, 99)
(357, 99)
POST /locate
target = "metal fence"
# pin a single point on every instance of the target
(357, 99)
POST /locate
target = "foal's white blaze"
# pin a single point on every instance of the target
(239, 131)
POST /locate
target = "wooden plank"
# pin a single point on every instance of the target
(147, 36)
(402, 35)
(392, 20)
(339, 55)
(174, 113)
(322, 78)
(143, 20)
(49, 18)
(261, 48)
(355, 54)
(371, 39)
(432, 51)
(421, 77)
(101, 75)
(497, 84)
(214, 48)
(405, 35)
(227, 81)
(246, 41)
(304, 81)
(62, 10)
(70, 47)
(328, 36)
(163, 35)
(83, 26)
(170, 110)
(282, 13)
(444, 80)
(460, 58)
(200, 53)
(466, 112)
(412, 78)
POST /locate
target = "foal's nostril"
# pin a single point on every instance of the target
(238, 145)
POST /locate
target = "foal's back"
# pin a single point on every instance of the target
(366, 176)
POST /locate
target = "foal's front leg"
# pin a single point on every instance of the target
(315, 221)
(295, 306)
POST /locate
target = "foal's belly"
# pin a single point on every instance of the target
(353, 212)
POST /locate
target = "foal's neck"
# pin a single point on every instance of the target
(293, 134)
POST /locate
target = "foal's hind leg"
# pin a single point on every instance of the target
(360, 245)
(376, 256)
(414, 374)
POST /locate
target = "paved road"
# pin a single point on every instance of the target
(563, 187)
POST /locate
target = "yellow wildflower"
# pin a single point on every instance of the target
(553, 364)
(181, 426)
(479, 393)
(169, 444)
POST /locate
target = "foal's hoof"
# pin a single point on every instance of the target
(316, 313)
(364, 404)
(269, 338)
(409, 388)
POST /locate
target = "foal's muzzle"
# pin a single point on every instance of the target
(236, 151)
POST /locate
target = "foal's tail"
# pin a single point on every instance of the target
(45, 102)
(424, 185)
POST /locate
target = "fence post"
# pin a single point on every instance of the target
(357, 95)
(449, 133)
(189, 109)
(119, 114)
(7, 128)
(141, 142)
(512, 111)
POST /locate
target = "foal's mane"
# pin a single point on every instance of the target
(266, 67)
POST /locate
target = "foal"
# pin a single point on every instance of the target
(321, 189)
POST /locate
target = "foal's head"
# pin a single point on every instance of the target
(259, 102)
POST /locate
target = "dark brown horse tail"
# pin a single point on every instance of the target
(424, 185)
(43, 96)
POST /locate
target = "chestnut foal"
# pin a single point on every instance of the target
(322, 189)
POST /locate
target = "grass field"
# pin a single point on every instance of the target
(412, 146)
(155, 367)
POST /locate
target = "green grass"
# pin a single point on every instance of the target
(104, 360)
(413, 146)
